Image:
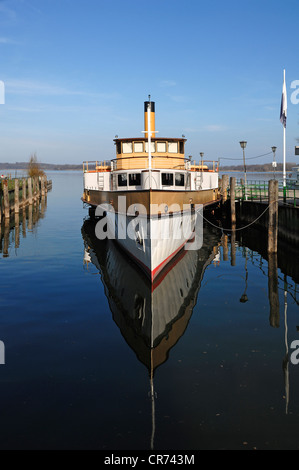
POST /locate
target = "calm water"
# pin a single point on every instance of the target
(87, 366)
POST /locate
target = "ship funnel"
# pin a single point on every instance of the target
(149, 107)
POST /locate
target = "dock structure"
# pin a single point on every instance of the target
(18, 193)
(16, 227)
(265, 205)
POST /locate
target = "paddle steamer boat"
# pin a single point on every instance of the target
(150, 197)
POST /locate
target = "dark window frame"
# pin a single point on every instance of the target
(136, 181)
(167, 179)
(122, 182)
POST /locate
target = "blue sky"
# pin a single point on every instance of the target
(76, 74)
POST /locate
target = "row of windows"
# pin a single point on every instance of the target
(141, 147)
(134, 179)
(166, 179)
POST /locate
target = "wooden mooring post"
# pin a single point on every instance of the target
(273, 216)
(17, 199)
(24, 193)
(29, 190)
(224, 185)
(6, 199)
(233, 200)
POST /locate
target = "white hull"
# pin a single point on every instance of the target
(153, 242)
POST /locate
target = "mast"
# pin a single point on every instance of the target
(149, 131)
(149, 141)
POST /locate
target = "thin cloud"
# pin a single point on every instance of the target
(179, 98)
(7, 41)
(214, 128)
(28, 87)
(8, 12)
(167, 83)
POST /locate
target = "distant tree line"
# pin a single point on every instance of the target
(42, 166)
(266, 167)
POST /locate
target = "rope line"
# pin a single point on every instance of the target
(240, 228)
(247, 158)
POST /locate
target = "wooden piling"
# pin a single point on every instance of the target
(24, 195)
(17, 192)
(233, 200)
(273, 216)
(30, 191)
(34, 188)
(6, 199)
(42, 183)
(224, 185)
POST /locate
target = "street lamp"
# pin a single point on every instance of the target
(274, 164)
(201, 156)
(243, 144)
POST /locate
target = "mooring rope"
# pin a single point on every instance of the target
(240, 228)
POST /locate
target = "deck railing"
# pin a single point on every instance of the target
(157, 162)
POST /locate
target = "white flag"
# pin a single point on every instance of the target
(283, 106)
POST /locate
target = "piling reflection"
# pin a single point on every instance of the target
(16, 227)
(281, 270)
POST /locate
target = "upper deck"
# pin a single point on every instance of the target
(165, 153)
(150, 162)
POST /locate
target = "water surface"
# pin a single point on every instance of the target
(96, 359)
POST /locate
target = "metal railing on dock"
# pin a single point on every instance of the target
(270, 206)
(258, 191)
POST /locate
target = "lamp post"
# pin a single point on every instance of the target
(243, 144)
(274, 164)
(201, 156)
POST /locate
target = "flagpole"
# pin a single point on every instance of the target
(283, 120)
(284, 144)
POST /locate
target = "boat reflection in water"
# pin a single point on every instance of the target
(152, 317)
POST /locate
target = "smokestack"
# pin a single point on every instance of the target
(151, 110)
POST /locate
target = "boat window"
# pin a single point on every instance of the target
(167, 179)
(153, 149)
(161, 147)
(122, 179)
(134, 179)
(182, 150)
(179, 179)
(127, 147)
(173, 147)
(118, 147)
(138, 147)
